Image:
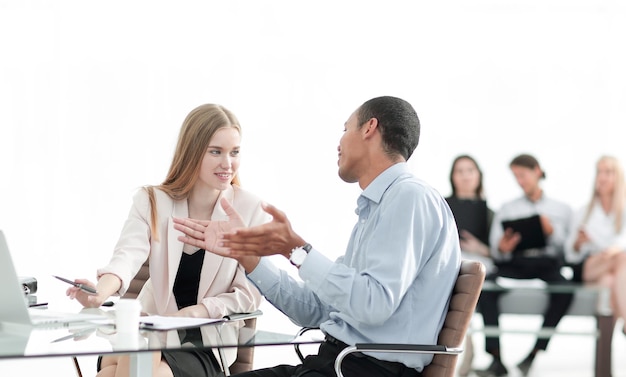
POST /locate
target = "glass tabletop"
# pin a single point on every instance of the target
(88, 338)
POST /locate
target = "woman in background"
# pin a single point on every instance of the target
(598, 234)
(202, 284)
(473, 218)
(470, 209)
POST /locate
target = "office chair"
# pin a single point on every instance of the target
(463, 301)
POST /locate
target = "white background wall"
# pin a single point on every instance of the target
(92, 95)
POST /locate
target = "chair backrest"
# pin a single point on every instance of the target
(138, 281)
(462, 305)
(245, 355)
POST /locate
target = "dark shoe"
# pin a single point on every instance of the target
(525, 365)
(496, 369)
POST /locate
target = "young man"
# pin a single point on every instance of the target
(402, 260)
(538, 262)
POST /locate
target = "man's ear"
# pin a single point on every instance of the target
(369, 128)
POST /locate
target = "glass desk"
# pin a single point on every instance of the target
(85, 338)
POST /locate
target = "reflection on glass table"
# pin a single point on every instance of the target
(82, 339)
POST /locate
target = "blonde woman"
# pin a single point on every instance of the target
(598, 234)
(184, 281)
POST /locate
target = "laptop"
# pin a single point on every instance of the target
(14, 311)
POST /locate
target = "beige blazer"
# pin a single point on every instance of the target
(224, 289)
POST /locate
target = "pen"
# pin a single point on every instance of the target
(82, 287)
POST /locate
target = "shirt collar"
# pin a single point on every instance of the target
(375, 190)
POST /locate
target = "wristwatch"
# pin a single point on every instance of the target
(298, 254)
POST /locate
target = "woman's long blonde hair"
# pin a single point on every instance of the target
(194, 137)
(619, 192)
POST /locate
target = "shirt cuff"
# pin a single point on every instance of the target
(315, 269)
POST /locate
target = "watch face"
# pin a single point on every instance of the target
(297, 256)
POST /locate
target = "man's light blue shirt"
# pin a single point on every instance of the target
(394, 282)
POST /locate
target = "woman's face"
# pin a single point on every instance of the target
(221, 160)
(605, 178)
(465, 177)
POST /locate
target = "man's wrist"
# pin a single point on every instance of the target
(250, 263)
(299, 254)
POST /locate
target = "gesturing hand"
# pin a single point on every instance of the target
(206, 234)
(274, 237)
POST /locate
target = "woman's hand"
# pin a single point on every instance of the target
(471, 244)
(87, 300)
(206, 234)
(581, 239)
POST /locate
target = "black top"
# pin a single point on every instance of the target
(187, 279)
(191, 362)
(185, 290)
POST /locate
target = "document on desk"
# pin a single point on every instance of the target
(158, 322)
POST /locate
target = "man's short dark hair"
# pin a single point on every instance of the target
(527, 161)
(397, 121)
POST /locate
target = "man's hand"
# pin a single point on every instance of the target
(509, 241)
(206, 234)
(546, 225)
(275, 237)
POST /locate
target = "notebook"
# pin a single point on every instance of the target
(14, 311)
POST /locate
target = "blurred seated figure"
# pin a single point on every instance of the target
(521, 254)
(473, 218)
(597, 239)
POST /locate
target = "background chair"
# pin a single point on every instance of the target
(463, 302)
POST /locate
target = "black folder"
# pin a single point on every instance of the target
(471, 215)
(532, 236)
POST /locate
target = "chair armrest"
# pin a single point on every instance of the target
(301, 332)
(396, 348)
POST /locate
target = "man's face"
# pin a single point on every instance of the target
(350, 150)
(527, 178)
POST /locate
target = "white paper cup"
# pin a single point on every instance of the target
(127, 312)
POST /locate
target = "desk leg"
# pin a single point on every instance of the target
(141, 364)
(605, 325)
